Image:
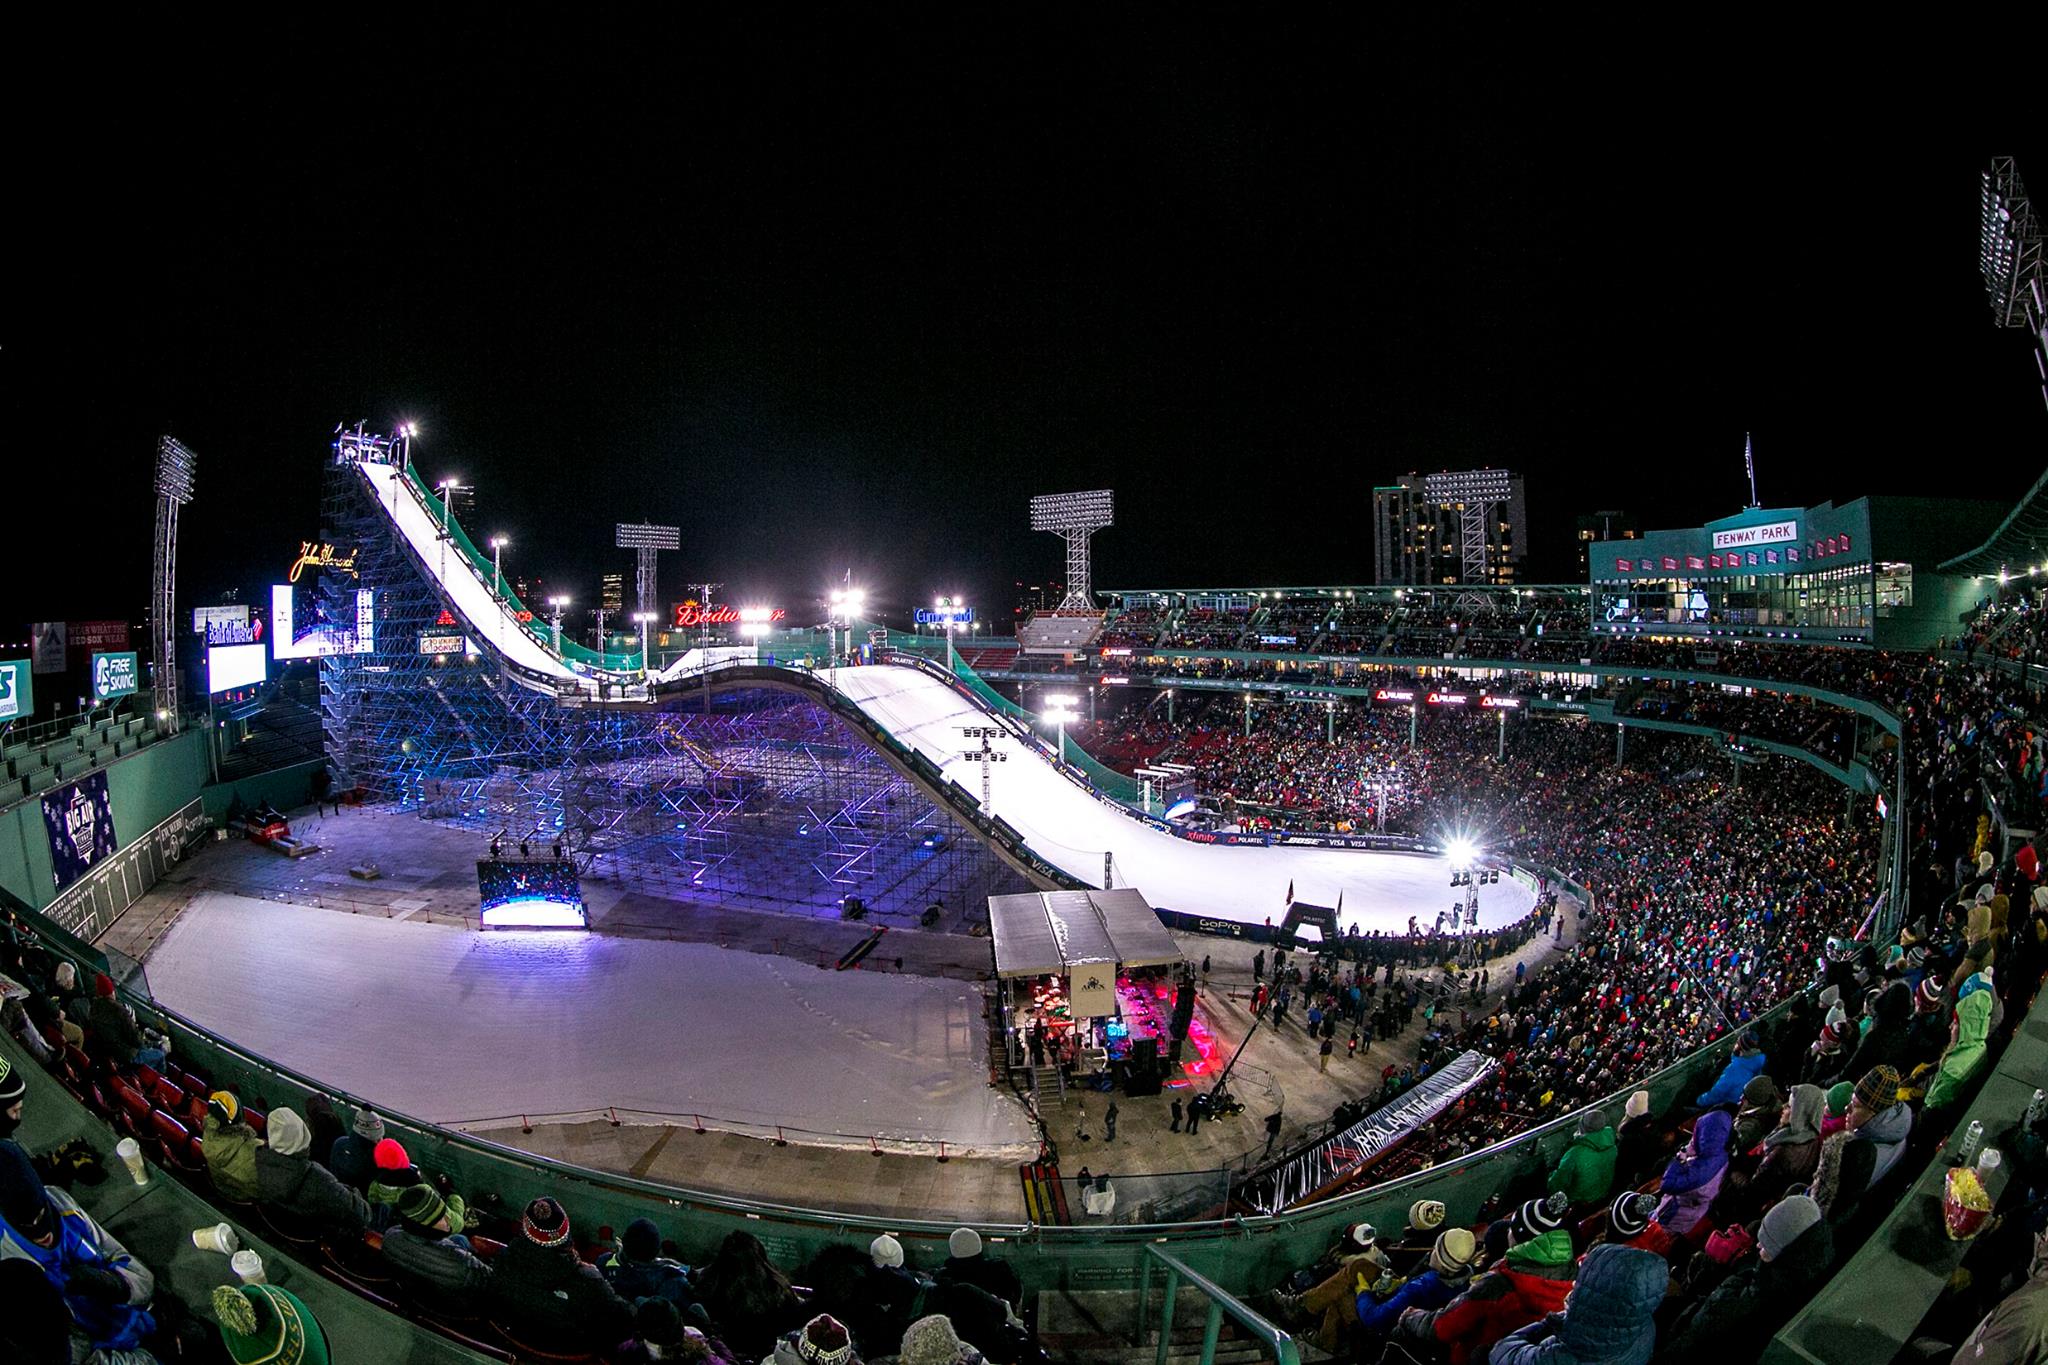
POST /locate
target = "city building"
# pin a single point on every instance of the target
(1591, 526)
(612, 594)
(1864, 572)
(1456, 527)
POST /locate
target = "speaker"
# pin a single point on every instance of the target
(1145, 1055)
(1142, 1081)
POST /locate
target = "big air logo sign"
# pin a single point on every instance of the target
(115, 675)
(17, 689)
(80, 822)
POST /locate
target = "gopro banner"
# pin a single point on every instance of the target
(115, 675)
(17, 689)
(80, 822)
(1336, 1159)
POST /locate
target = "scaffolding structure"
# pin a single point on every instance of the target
(764, 799)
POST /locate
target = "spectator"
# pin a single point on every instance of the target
(1746, 1062)
(106, 1290)
(747, 1296)
(1533, 1280)
(892, 1290)
(1791, 1152)
(35, 1329)
(638, 1270)
(1757, 1114)
(538, 1284)
(351, 1158)
(287, 1179)
(931, 1340)
(968, 1263)
(393, 1173)
(427, 1254)
(13, 1094)
(1632, 1222)
(1884, 1043)
(1448, 1273)
(2016, 1331)
(1966, 1052)
(1881, 1120)
(262, 1324)
(229, 1146)
(1735, 1321)
(1606, 1321)
(1585, 1173)
(1694, 1176)
(821, 1341)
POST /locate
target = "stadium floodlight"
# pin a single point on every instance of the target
(559, 603)
(1059, 710)
(498, 544)
(446, 488)
(2009, 254)
(646, 619)
(846, 605)
(1460, 851)
(175, 468)
(646, 541)
(754, 621)
(1075, 517)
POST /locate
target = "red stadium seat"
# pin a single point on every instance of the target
(166, 1096)
(526, 1350)
(174, 1145)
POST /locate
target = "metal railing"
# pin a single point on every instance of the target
(1221, 1301)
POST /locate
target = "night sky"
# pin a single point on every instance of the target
(847, 293)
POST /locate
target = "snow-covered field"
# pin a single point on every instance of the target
(454, 1026)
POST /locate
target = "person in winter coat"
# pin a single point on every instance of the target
(2016, 1331)
(1608, 1320)
(1736, 1321)
(392, 1173)
(287, 1179)
(431, 1258)
(1585, 1173)
(1727, 1087)
(747, 1297)
(350, 1158)
(1757, 1114)
(1694, 1176)
(229, 1146)
(967, 1262)
(1881, 1120)
(892, 1291)
(1533, 1280)
(1632, 1222)
(106, 1290)
(823, 1340)
(1966, 1053)
(540, 1285)
(1884, 1042)
(1791, 1151)
(637, 1270)
(1448, 1275)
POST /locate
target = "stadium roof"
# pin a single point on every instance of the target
(1047, 933)
(2019, 543)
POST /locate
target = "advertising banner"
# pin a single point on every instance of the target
(302, 629)
(1091, 990)
(202, 617)
(91, 635)
(17, 689)
(232, 666)
(80, 823)
(1338, 1158)
(437, 644)
(115, 675)
(47, 640)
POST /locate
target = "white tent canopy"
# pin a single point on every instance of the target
(1050, 933)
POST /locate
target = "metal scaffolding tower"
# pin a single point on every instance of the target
(175, 467)
(647, 541)
(2009, 254)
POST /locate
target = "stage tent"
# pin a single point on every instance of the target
(1086, 936)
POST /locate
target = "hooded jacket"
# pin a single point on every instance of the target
(1965, 1056)
(1585, 1173)
(230, 1151)
(1886, 1135)
(1533, 1281)
(1609, 1320)
(1884, 1044)
(1694, 1176)
(1728, 1088)
(1758, 1112)
(2016, 1330)
(1429, 1290)
(1739, 1318)
(308, 1190)
(441, 1274)
(552, 1290)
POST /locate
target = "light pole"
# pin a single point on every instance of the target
(846, 606)
(950, 611)
(1059, 709)
(498, 544)
(557, 603)
(446, 488)
(646, 619)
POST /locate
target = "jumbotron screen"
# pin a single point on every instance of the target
(530, 893)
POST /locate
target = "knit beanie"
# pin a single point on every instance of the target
(1592, 1121)
(1453, 1252)
(545, 1223)
(642, 1241)
(886, 1252)
(1638, 1104)
(1363, 1236)
(261, 1323)
(1928, 998)
(24, 1203)
(1839, 1095)
(369, 1126)
(824, 1341)
(1879, 1089)
(388, 1155)
(965, 1243)
(223, 1105)
(1782, 1226)
(287, 1133)
(932, 1341)
(103, 985)
(422, 1205)
(12, 1086)
(1426, 1215)
(67, 976)
(1831, 997)
(1630, 1213)
(1539, 1216)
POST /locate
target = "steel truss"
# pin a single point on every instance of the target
(767, 801)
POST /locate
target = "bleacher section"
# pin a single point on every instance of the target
(282, 734)
(29, 768)
(1053, 632)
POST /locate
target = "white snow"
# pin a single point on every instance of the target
(455, 1026)
(1070, 828)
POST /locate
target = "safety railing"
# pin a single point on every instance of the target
(1221, 1302)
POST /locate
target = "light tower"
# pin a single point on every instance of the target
(1478, 494)
(647, 541)
(2009, 254)
(1074, 517)
(175, 466)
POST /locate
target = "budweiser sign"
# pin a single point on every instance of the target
(690, 614)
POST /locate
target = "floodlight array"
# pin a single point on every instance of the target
(1087, 511)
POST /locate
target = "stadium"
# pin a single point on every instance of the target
(1380, 971)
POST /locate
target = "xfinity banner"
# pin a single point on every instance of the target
(80, 823)
(115, 675)
(1338, 1158)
